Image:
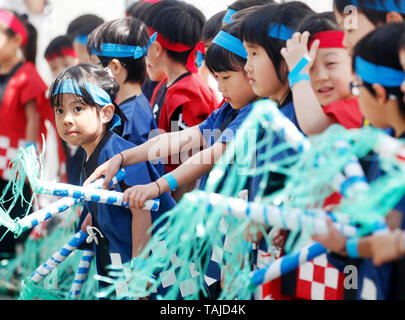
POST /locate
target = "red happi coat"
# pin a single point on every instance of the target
(24, 86)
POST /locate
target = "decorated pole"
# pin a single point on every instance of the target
(286, 264)
(274, 216)
(81, 274)
(58, 257)
(60, 206)
(90, 194)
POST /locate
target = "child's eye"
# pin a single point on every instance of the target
(58, 111)
(78, 109)
(225, 77)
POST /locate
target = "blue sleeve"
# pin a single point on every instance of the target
(230, 132)
(208, 124)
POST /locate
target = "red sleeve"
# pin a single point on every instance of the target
(346, 112)
(34, 86)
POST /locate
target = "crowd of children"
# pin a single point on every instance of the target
(137, 92)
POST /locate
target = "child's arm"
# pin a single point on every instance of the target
(162, 146)
(195, 167)
(311, 118)
(141, 222)
(33, 122)
(387, 247)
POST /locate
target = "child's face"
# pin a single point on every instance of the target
(78, 124)
(372, 110)
(331, 75)
(154, 74)
(402, 60)
(261, 73)
(235, 88)
(58, 64)
(355, 25)
(8, 46)
(83, 54)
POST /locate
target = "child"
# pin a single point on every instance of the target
(265, 32)
(23, 104)
(326, 99)
(121, 45)
(214, 134)
(60, 55)
(182, 100)
(86, 116)
(79, 30)
(368, 15)
(154, 77)
(383, 104)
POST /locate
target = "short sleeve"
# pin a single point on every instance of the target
(231, 130)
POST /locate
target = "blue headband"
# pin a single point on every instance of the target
(82, 39)
(385, 6)
(281, 32)
(228, 16)
(99, 96)
(116, 50)
(230, 43)
(385, 76)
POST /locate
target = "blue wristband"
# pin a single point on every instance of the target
(29, 144)
(351, 248)
(171, 180)
(295, 75)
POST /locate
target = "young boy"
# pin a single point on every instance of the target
(115, 43)
(182, 99)
(61, 55)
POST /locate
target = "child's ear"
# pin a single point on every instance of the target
(116, 67)
(107, 113)
(157, 50)
(380, 93)
(394, 17)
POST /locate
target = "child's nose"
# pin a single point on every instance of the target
(68, 119)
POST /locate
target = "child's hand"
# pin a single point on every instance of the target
(137, 195)
(387, 247)
(88, 222)
(334, 241)
(108, 170)
(296, 48)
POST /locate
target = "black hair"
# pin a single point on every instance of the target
(56, 46)
(178, 21)
(126, 31)
(92, 74)
(256, 24)
(83, 25)
(319, 22)
(219, 59)
(376, 17)
(213, 26)
(137, 10)
(243, 4)
(381, 47)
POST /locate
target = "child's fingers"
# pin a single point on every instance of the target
(314, 49)
(296, 38)
(304, 38)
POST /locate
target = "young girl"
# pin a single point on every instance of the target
(121, 46)
(226, 62)
(23, 105)
(383, 104)
(85, 114)
(326, 99)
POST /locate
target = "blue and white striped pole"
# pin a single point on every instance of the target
(58, 257)
(60, 206)
(81, 274)
(274, 216)
(286, 264)
(92, 195)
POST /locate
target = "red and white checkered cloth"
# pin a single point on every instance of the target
(8, 150)
(319, 280)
